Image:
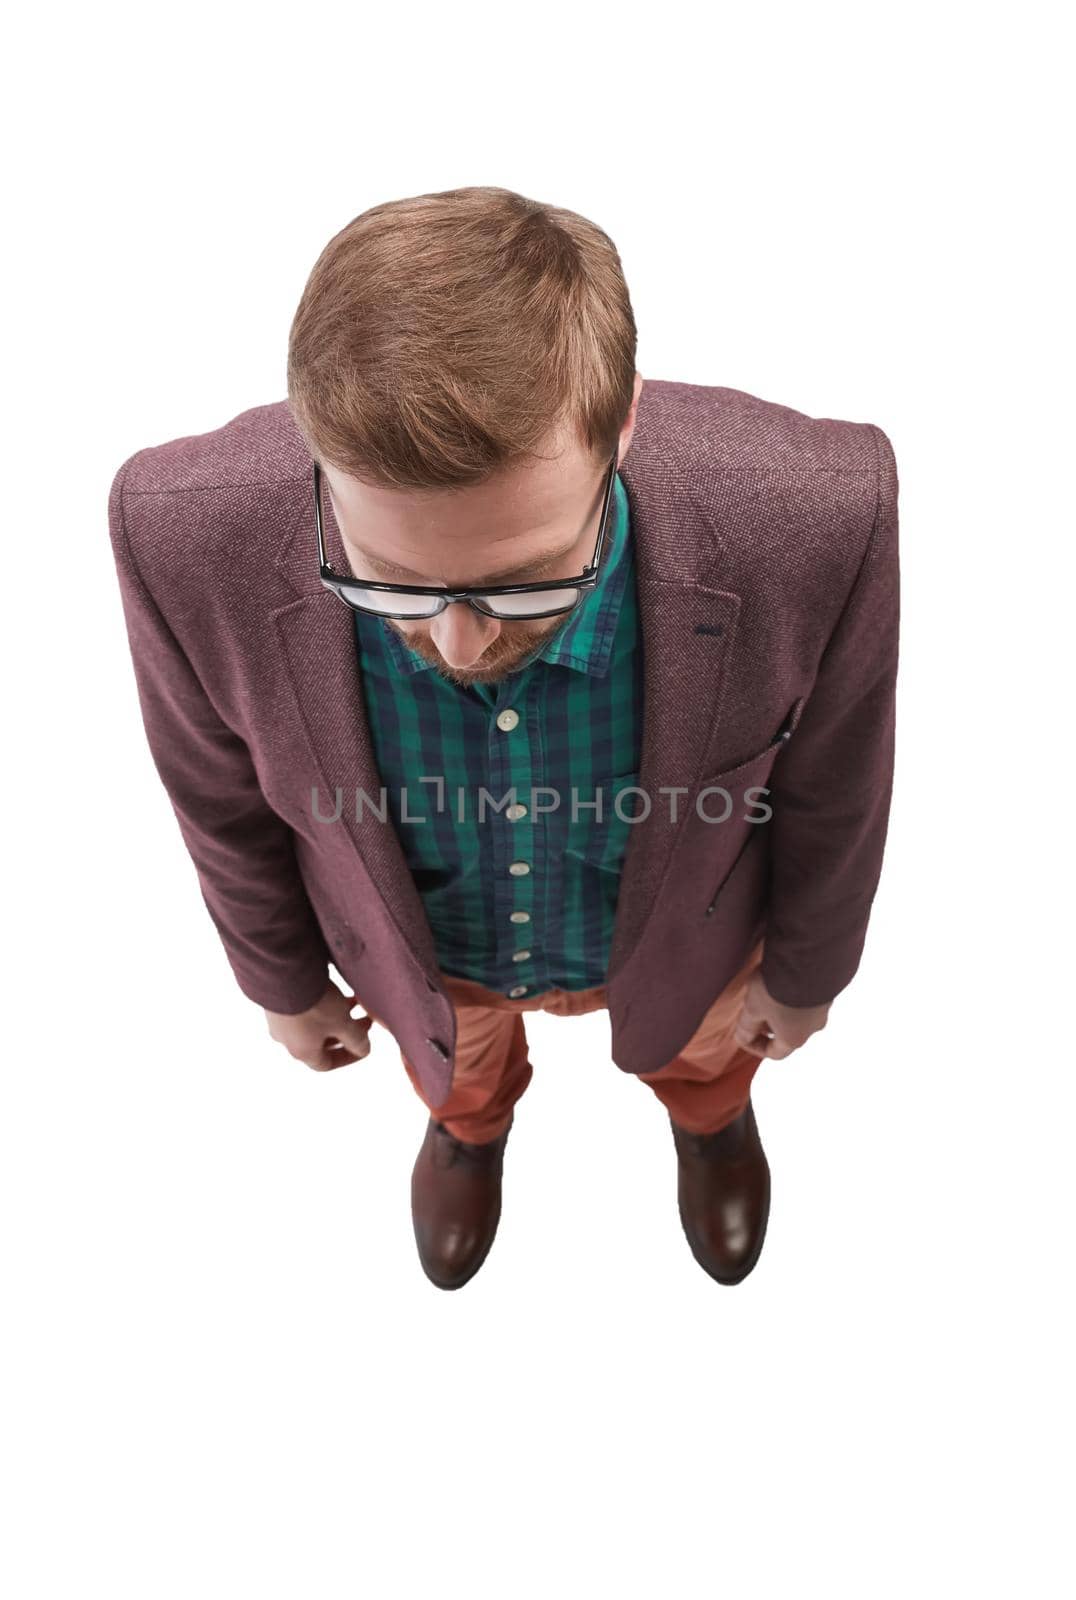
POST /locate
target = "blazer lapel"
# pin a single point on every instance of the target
(316, 635)
(688, 626)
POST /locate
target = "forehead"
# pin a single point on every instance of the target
(486, 532)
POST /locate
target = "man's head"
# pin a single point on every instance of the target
(462, 365)
(522, 525)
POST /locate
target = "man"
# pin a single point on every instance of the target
(505, 681)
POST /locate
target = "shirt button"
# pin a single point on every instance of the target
(507, 720)
(514, 994)
(514, 812)
(519, 869)
(519, 916)
(520, 955)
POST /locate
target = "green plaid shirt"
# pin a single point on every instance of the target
(518, 905)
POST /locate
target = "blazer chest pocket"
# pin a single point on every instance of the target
(730, 811)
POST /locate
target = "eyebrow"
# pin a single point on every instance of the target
(532, 569)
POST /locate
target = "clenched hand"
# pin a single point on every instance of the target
(767, 1028)
(327, 1035)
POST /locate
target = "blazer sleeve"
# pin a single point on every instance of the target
(243, 852)
(831, 796)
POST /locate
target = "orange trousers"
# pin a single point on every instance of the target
(703, 1088)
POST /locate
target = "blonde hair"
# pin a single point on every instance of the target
(443, 337)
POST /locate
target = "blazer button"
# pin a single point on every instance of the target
(438, 1046)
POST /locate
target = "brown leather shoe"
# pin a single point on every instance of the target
(455, 1203)
(724, 1195)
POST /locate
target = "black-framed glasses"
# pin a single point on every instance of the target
(550, 598)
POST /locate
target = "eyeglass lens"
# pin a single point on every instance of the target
(502, 605)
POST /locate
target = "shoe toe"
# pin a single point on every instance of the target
(452, 1254)
(724, 1197)
(455, 1204)
(728, 1237)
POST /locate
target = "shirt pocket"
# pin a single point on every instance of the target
(603, 844)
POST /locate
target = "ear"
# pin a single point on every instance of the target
(629, 422)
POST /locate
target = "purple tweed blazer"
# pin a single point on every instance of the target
(767, 572)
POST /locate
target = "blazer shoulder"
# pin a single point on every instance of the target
(788, 500)
(730, 430)
(258, 448)
(179, 508)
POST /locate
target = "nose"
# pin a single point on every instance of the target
(462, 634)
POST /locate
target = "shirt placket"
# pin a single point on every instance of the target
(515, 842)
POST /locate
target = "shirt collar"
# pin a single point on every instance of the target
(585, 638)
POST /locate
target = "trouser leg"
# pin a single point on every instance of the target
(491, 1071)
(708, 1083)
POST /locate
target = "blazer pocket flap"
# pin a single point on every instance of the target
(751, 771)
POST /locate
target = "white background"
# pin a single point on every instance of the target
(225, 1372)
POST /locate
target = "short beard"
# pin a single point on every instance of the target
(497, 660)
